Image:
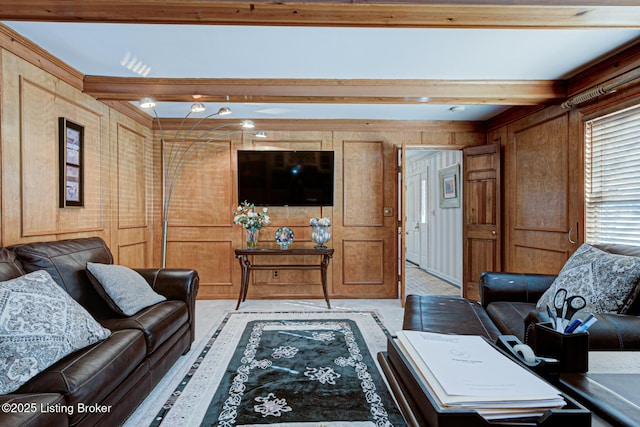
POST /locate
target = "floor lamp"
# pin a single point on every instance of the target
(177, 151)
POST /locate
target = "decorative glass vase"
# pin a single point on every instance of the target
(320, 234)
(252, 238)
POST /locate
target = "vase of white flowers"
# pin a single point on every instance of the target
(252, 220)
(320, 231)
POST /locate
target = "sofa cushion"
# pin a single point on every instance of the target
(608, 282)
(39, 325)
(66, 261)
(123, 289)
(157, 322)
(90, 375)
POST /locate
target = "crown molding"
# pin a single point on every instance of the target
(344, 13)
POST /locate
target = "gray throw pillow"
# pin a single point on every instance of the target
(39, 324)
(608, 282)
(123, 289)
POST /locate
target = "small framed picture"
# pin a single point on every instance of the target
(449, 186)
(71, 140)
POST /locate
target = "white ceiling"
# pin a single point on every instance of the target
(189, 51)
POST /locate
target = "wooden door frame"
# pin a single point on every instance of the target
(401, 149)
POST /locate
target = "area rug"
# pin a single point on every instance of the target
(286, 369)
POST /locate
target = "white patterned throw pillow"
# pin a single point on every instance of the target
(39, 324)
(608, 282)
(122, 288)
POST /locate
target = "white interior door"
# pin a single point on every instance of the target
(413, 208)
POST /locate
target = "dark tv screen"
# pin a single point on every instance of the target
(285, 178)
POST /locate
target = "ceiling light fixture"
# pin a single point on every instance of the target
(147, 102)
(176, 152)
(224, 111)
(197, 107)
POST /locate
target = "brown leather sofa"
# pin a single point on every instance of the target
(104, 382)
(508, 301)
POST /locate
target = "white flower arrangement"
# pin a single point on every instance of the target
(247, 216)
(322, 222)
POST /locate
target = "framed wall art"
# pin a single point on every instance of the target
(71, 141)
(449, 178)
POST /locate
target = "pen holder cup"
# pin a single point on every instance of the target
(571, 350)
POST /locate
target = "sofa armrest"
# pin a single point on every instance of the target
(175, 284)
(514, 287)
(32, 410)
(611, 331)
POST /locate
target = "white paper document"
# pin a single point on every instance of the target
(466, 371)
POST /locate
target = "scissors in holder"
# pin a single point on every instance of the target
(566, 307)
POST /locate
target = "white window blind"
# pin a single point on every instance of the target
(612, 178)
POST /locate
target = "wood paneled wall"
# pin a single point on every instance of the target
(118, 166)
(123, 191)
(364, 214)
(543, 185)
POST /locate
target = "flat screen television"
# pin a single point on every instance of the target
(285, 178)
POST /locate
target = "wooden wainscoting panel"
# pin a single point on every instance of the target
(363, 183)
(133, 255)
(203, 193)
(132, 181)
(132, 189)
(543, 190)
(213, 260)
(39, 152)
(542, 164)
(469, 139)
(39, 161)
(363, 262)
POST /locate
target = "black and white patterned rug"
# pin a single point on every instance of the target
(286, 369)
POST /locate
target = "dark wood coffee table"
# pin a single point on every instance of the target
(420, 409)
(610, 388)
(245, 257)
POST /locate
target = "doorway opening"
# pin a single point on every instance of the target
(433, 229)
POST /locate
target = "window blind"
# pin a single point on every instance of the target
(612, 178)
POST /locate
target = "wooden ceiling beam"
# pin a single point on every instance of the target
(357, 91)
(344, 13)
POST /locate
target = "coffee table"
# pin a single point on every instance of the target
(420, 409)
(610, 387)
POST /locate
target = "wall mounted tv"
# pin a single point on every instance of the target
(286, 178)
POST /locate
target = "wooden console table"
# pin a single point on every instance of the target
(244, 254)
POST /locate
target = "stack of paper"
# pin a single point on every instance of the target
(466, 372)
